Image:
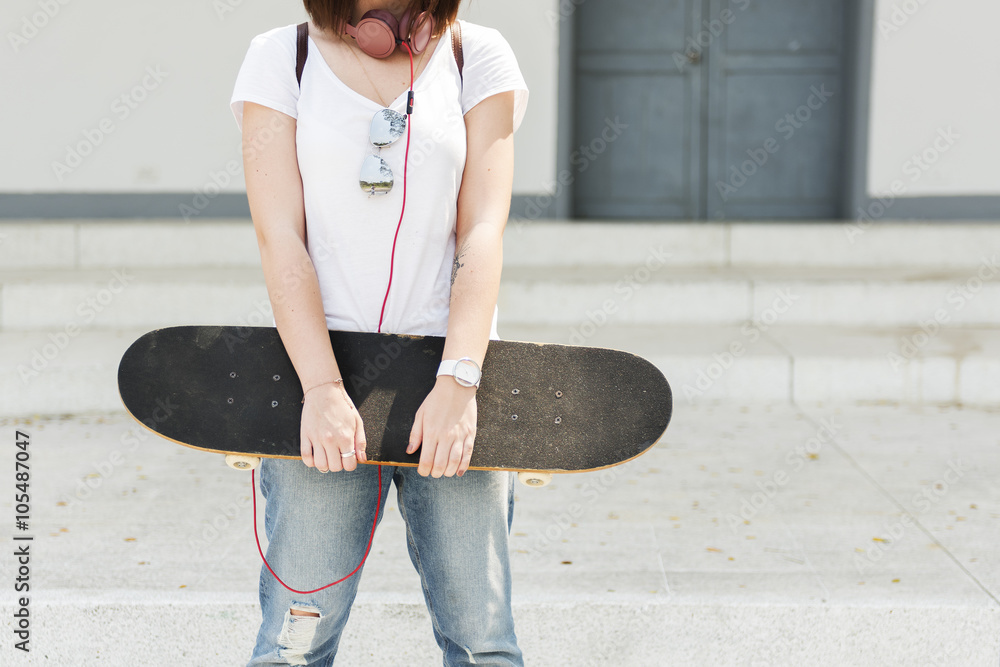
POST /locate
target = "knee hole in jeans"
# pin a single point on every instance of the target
(297, 633)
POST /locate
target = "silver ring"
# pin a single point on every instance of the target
(347, 454)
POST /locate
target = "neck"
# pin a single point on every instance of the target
(394, 7)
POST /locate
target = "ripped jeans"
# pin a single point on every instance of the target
(318, 526)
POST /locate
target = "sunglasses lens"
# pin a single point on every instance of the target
(387, 127)
(376, 177)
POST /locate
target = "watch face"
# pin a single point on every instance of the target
(467, 373)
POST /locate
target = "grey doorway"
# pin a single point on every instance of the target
(709, 109)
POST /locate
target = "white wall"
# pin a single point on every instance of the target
(533, 34)
(62, 85)
(936, 66)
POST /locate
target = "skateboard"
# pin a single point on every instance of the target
(542, 408)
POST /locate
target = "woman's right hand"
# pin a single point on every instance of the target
(331, 426)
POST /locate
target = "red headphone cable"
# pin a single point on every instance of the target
(406, 159)
(392, 259)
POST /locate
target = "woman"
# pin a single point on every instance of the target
(327, 248)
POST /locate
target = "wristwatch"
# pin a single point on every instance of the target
(465, 371)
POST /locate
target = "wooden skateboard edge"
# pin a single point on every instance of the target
(397, 463)
(223, 452)
(410, 336)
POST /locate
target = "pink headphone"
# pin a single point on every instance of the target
(378, 32)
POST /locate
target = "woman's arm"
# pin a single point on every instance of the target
(445, 425)
(330, 423)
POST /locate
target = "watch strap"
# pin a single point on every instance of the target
(450, 367)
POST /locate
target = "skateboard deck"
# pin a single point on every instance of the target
(541, 407)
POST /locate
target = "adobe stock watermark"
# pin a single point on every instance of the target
(217, 180)
(902, 12)
(223, 8)
(563, 11)
(320, 249)
(129, 440)
(914, 167)
(260, 315)
(896, 530)
(86, 312)
(777, 650)
(943, 654)
(262, 311)
(957, 298)
(625, 289)
(121, 108)
(786, 126)
(423, 148)
(580, 159)
(712, 30)
(561, 522)
(225, 518)
(33, 24)
(751, 331)
(795, 459)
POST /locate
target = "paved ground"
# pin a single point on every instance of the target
(751, 535)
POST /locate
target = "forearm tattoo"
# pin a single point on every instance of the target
(458, 263)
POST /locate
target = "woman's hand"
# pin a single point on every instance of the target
(331, 426)
(445, 429)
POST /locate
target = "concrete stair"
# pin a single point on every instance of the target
(751, 535)
(825, 494)
(808, 313)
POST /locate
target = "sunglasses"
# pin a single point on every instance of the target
(387, 127)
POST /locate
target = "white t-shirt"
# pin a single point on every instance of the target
(350, 234)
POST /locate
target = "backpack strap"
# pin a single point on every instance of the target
(456, 46)
(301, 50)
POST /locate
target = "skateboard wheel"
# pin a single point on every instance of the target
(534, 478)
(241, 462)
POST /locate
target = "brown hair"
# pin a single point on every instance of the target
(333, 14)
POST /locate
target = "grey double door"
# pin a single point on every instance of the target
(709, 109)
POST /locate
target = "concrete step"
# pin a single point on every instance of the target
(61, 299)
(809, 244)
(123, 244)
(851, 297)
(750, 535)
(49, 374)
(68, 300)
(806, 365)
(232, 243)
(86, 630)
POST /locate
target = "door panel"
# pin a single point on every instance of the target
(626, 75)
(610, 26)
(774, 145)
(777, 26)
(751, 129)
(774, 120)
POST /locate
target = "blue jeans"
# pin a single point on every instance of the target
(318, 525)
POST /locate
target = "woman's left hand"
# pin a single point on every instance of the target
(445, 429)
